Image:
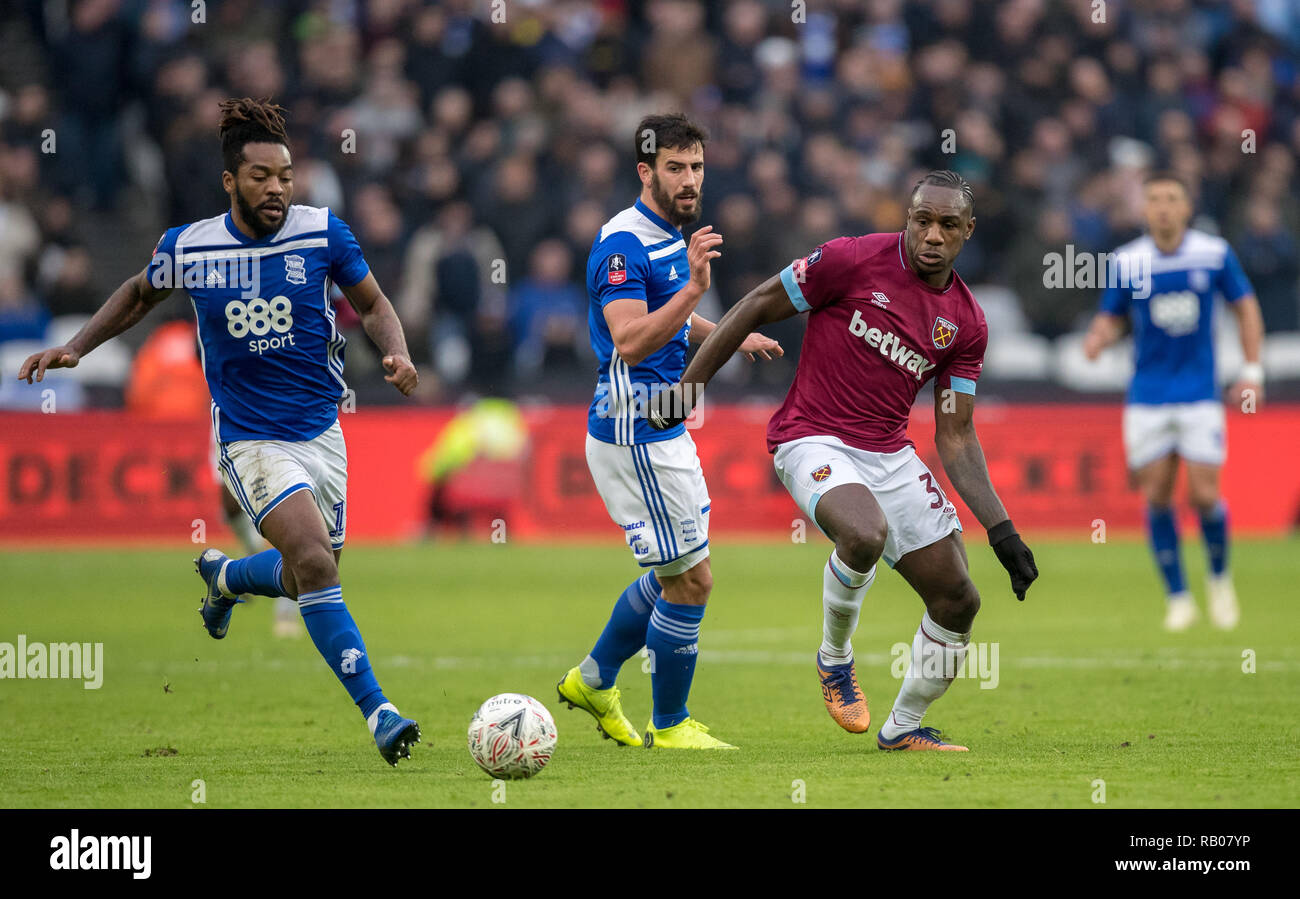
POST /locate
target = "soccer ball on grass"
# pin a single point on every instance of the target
(512, 736)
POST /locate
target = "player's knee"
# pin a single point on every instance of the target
(968, 600)
(862, 546)
(1203, 497)
(697, 584)
(1158, 493)
(314, 568)
(955, 605)
(692, 587)
(702, 583)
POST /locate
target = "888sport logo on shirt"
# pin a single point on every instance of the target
(267, 323)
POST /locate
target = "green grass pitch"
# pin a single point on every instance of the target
(1089, 687)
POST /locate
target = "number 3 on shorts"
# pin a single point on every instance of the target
(931, 487)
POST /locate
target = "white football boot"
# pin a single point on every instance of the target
(1181, 612)
(1223, 601)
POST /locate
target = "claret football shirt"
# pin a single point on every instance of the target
(876, 333)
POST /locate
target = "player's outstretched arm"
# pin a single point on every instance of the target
(763, 305)
(385, 329)
(963, 460)
(1104, 330)
(755, 344)
(127, 305)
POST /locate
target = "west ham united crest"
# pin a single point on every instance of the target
(822, 473)
(617, 268)
(943, 333)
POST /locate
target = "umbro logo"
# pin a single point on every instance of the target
(879, 299)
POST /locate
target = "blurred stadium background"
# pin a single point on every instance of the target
(477, 147)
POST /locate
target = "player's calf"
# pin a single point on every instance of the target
(309, 568)
(311, 575)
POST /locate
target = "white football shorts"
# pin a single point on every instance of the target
(1195, 431)
(917, 512)
(263, 473)
(656, 493)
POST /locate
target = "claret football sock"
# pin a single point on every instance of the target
(337, 640)
(624, 634)
(1163, 532)
(258, 574)
(842, 592)
(673, 641)
(937, 656)
(1214, 527)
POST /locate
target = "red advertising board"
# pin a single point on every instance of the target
(1058, 468)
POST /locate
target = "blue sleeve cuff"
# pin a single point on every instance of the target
(793, 290)
(963, 385)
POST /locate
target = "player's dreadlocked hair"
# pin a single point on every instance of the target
(946, 178)
(245, 121)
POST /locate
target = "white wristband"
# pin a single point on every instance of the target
(1252, 373)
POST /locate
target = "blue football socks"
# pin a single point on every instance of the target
(1214, 527)
(258, 574)
(337, 640)
(672, 639)
(1163, 532)
(624, 634)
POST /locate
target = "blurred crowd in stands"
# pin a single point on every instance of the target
(476, 147)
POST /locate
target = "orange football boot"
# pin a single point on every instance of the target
(922, 738)
(844, 698)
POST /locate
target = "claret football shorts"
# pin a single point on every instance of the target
(656, 493)
(916, 510)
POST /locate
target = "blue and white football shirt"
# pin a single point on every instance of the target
(1173, 321)
(638, 256)
(272, 355)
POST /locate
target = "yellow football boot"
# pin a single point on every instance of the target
(603, 705)
(689, 734)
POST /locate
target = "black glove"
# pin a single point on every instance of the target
(1014, 556)
(666, 409)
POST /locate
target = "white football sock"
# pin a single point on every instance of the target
(842, 592)
(221, 579)
(590, 672)
(937, 656)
